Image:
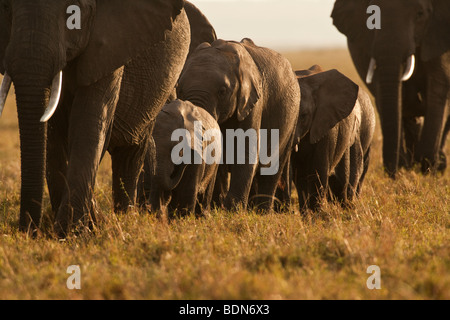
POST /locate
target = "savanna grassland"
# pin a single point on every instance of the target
(401, 226)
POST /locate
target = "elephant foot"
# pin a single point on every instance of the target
(230, 204)
(67, 222)
(264, 204)
(430, 167)
(406, 162)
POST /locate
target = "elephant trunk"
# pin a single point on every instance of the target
(32, 99)
(389, 101)
(171, 176)
(32, 60)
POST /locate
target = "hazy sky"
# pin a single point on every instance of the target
(281, 24)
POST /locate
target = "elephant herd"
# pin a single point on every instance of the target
(135, 73)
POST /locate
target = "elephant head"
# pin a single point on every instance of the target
(328, 97)
(174, 116)
(223, 79)
(411, 31)
(36, 44)
(181, 138)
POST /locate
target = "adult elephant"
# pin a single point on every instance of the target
(406, 64)
(120, 65)
(246, 88)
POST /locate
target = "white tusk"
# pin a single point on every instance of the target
(410, 66)
(371, 72)
(4, 90)
(54, 97)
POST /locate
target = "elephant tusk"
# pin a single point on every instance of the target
(371, 72)
(54, 97)
(410, 66)
(4, 90)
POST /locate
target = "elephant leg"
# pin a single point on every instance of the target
(267, 186)
(412, 128)
(283, 193)
(356, 168)
(145, 178)
(412, 123)
(318, 180)
(159, 199)
(299, 168)
(221, 186)
(57, 152)
(240, 185)
(207, 198)
(364, 172)
(317, 187)
(184, 199)
(301, 184)
(127, 165)
(438, 86)
(90, 120)
(263, 200)
(442, 156)
(339, 182)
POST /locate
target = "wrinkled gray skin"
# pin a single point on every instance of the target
(35, 45)
(333, 137)
(244, 86)
(185, 188)
(417, 27)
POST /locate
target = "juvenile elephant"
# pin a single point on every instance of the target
(179, 185)
(406, 64)
(247, 89)
(333, 137)
(111, 76)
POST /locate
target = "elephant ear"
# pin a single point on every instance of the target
(121, 30)
(192, 122)
(350, 18)
(334, 98)
(250, 83)
(201, 29)
(5, 31)
(437, 39)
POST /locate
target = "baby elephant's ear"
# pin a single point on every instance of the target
(250, 84)
(335, 96)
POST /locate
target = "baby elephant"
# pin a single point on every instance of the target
(333, 137)
(188, 152)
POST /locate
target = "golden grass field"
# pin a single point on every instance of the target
(401, 226)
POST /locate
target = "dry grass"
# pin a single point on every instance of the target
(401, 226)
